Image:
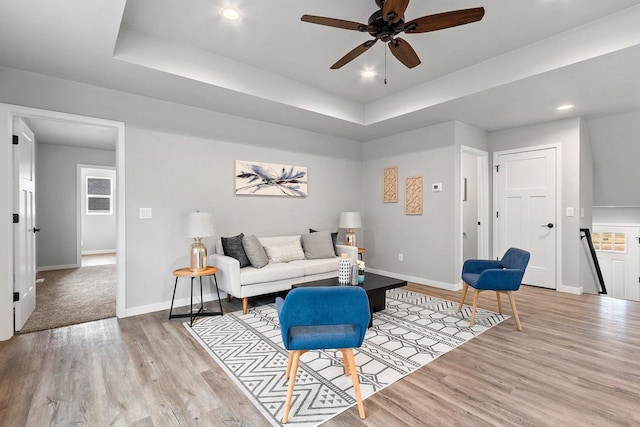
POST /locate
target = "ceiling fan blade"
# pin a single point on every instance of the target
(394, 7)
(359, 50)
(404, 52)
(332, 22)
(444, 20)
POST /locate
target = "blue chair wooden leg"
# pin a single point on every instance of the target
(515, 311)
(499, 302)
(465, 288)
(286, 372)
(473, 308)
(347, 354)
(295, 361)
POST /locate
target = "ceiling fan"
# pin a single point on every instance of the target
(385, 24)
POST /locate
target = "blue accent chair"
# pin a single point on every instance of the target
(500, 276)
(319, 318)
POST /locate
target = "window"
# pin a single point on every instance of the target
(99, 196)
(609, 242)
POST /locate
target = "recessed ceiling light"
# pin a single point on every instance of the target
(367, 74)
(231, 14)
(565, 107)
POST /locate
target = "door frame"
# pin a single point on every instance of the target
(483, 200)
(6, 321)
(559, 217)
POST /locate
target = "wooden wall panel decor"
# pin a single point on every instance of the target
(413, 196)
(390, 185)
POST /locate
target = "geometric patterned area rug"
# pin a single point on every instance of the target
(413, 330)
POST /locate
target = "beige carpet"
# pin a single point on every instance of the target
(77, 295)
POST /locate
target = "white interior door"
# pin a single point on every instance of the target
(526, 210)
(619, 258)
(24, 231)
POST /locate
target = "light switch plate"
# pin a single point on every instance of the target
(436, 187)
(569, 211)
(146, 213)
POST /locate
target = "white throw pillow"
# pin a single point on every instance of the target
(284, 252)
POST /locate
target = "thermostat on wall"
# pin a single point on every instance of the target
(436, 187)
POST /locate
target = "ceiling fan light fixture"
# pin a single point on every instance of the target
(230, 13)
(565, 107)
(368, 74)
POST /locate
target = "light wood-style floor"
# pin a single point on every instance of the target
(576, 363)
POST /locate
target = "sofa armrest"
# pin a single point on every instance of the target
(351, 251)
(228, 275)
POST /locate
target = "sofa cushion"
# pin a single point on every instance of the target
(334, 238)
(318, 245)
(270, 273)
(276, 240)
(232, 246)
(255, 252)
(284, 252)
(317, 266)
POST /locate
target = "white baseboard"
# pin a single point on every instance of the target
(57, 267)
(99, 252)
(209, 299)
(570, 290)
(420, 280)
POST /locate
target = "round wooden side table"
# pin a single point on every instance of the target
(361, 251)
(185, 272)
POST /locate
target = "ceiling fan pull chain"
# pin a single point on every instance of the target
(385, 66)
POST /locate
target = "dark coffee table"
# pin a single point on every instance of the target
(375, 285)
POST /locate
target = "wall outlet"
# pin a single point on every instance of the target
(569, 211)
(145, 213)
(400, 257)
(436, 187)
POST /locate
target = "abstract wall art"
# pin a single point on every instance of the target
(268, 179)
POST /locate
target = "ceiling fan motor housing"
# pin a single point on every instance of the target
(382, 29)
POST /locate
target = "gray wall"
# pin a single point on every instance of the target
(172, 174)
(615, 142)
(97, 232)
(57, 200)
(427, 241)
(588, 277)
(186, 162)
(566, 133)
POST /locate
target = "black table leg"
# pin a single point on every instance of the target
(201, 298)
(173, 297)
(191, 315)
(191, 308)
(218, 292)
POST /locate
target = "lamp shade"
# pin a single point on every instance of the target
(197, 224)
(350, 220)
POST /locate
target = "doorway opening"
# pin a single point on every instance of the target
(474, 203)
(58, 125)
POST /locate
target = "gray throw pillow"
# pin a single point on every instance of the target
(334, 238)
(318, 245)
(255, 252)
(232, 246)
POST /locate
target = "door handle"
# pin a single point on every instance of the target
(550, 225)
(35, 230)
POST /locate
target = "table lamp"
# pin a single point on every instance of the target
(197, 225)
(350, 220)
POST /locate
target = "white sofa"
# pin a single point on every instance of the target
(274, 277)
